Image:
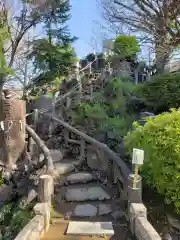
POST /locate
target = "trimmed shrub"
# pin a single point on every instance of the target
(162, 92)
(160, 140)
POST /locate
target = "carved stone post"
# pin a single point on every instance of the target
(12, 130)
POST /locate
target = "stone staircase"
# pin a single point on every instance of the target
(84, 207)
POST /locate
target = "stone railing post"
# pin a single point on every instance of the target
(134, 193)
(135, 180)
(82, 149)
(66, 136)
(35, 116)
(45, 189)
(45, 192)
(68, 102)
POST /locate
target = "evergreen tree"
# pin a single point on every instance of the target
(53, 55)
(4, 35)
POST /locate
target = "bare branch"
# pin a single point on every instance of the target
(157, 19)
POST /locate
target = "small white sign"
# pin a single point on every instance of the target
(138, 156)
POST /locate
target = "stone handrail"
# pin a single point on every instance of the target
(42, 147)
(40, 223)
(119, 163)
(139, 225)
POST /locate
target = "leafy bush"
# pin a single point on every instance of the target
(13, 218)
(126, 46)
(160, 140)
(162, 92)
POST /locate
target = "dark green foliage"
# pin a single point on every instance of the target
(53, 59)
(14, 219)
(4, 36)
(118, 94)
(90, 57)
(90, 113)
(117, 126)
(160, 140)
(53, 55)
(108, 111)
(54, 16)
(162, 92)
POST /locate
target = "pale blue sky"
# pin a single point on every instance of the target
(84, 13)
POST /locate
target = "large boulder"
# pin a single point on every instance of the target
(43, 103)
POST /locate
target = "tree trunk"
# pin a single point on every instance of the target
(12, 131)
(162, 54)
(2, 80)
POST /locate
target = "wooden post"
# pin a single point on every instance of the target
(12, 132)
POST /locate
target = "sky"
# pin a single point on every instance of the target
(82, 24)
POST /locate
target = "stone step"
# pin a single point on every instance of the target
(81, 177)
(85, 192)
(63, 168)
(90, 228)
(57, 230)
(89, 210)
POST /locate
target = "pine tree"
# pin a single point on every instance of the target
(53, 55)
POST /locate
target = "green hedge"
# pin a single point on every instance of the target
(160, 139)
(162, 92)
